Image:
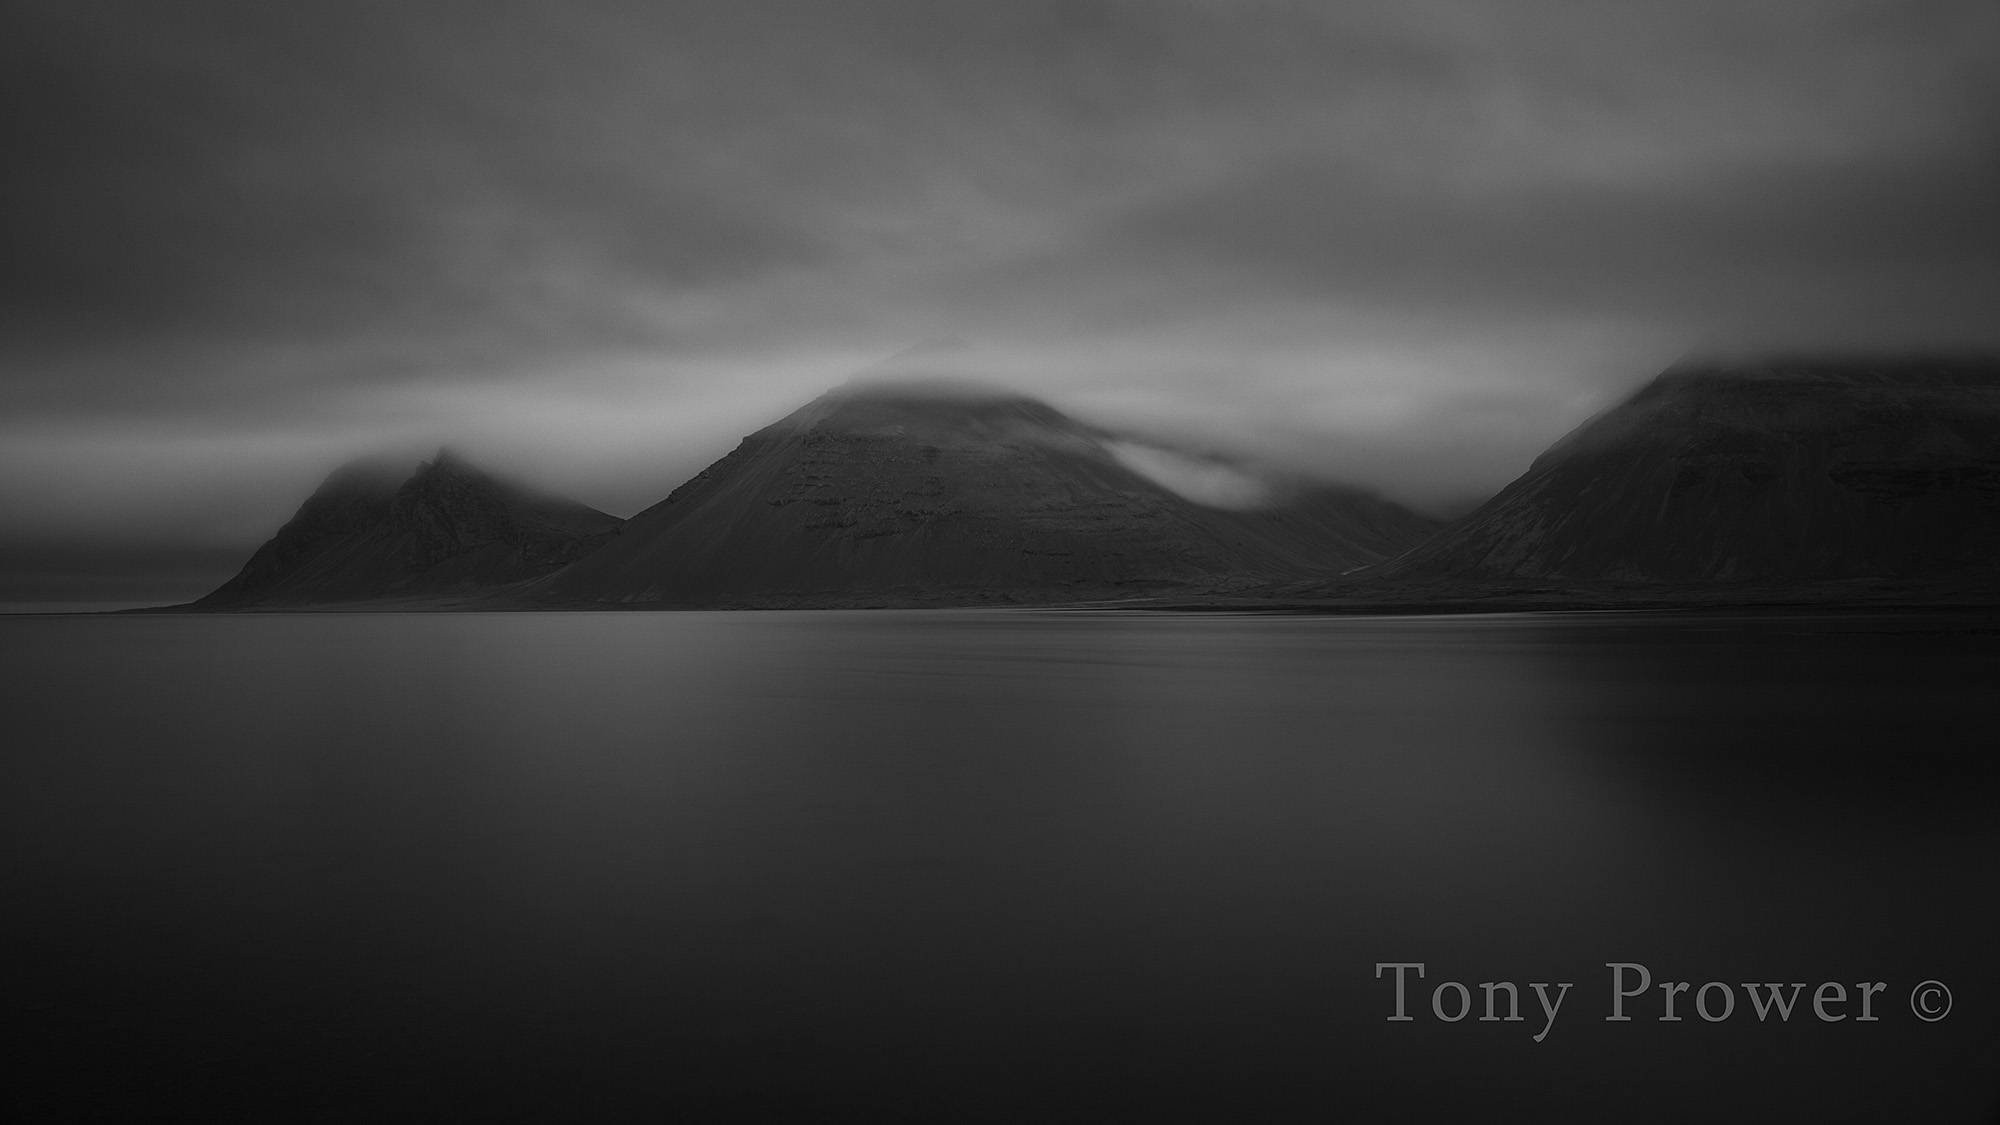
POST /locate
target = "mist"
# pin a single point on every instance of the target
(1399, 245)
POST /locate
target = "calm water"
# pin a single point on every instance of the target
(1009, 866)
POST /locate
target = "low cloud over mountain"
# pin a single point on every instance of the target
(1401, 244)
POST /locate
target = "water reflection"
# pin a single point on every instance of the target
(984, 864)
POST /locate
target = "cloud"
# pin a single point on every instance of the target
(1405, 242)
(1215, 483)
(1764, 250)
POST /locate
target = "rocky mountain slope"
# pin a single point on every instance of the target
(933, 493)
(378, 531)
(1792, 469)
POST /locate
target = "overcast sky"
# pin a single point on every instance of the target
(1403, 242)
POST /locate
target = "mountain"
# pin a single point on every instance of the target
(940, 493)
(1780, 470)
(377, 531)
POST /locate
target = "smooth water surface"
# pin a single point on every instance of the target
(992, 865)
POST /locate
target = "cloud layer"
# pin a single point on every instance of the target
(1404, 242)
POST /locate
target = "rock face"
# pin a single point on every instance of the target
(942, 494)
(375, 531)
(1785, 470)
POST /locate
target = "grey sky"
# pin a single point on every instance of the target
(1405, 242)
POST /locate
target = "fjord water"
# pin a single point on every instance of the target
(995, 865)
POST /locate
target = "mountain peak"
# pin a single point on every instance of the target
(1906, 370)
(449, 465)
(930, 387)
(933, 409)
(373, 473)
(376, 529)
(912, 491)
(1774, 468)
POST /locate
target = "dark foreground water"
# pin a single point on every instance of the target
(1009, 866)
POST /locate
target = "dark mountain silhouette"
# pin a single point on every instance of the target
(375, 530)
(1788, 470)
(938, 493)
